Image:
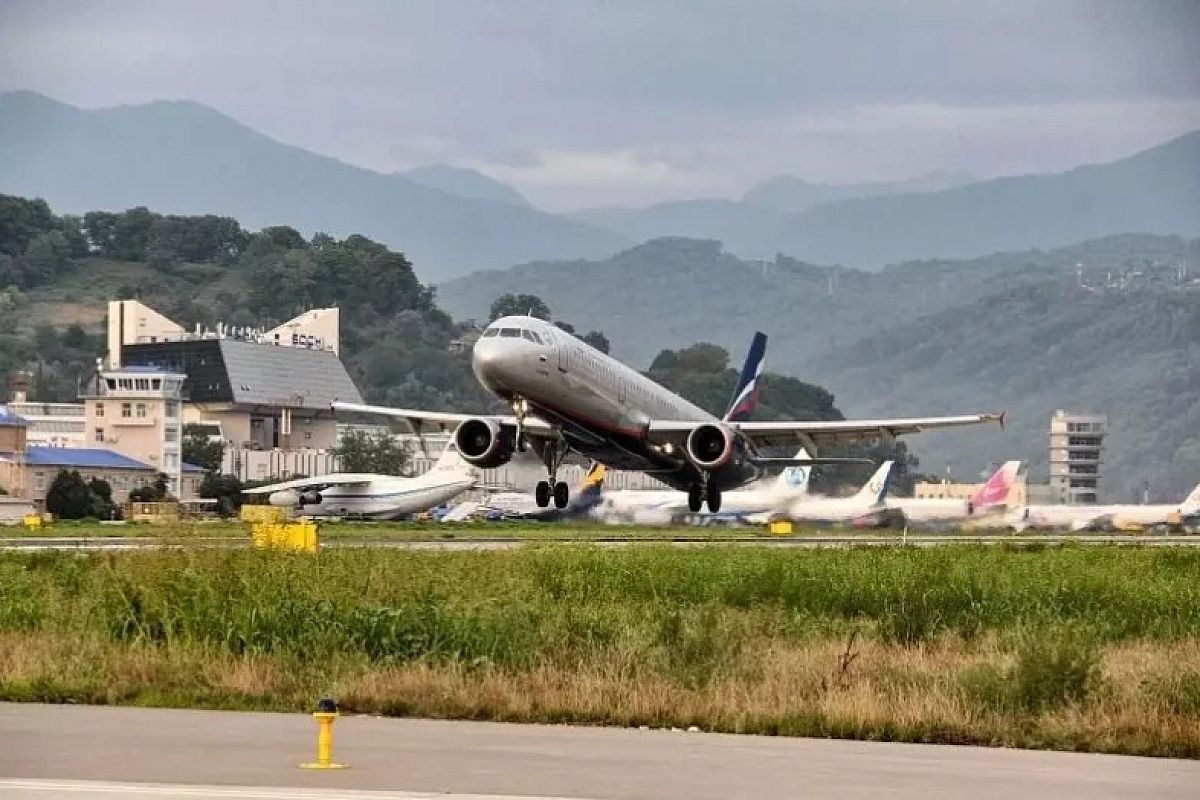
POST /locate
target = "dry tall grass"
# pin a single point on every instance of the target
(1080, 650)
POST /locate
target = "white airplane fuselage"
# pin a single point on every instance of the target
(385, 499)
(604, 408)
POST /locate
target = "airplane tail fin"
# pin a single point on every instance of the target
(995, 489)
(745, 394)
(877, 488)
(1191, 503)
(794, 480)
(452, 460)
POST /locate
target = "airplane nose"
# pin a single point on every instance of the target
(488, 362)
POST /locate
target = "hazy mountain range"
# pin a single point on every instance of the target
(183, 157)
(187, 158)
(1110, 325)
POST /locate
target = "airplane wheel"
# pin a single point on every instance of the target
(714, 498)
(541, 494)
(561, 495)
(695, 501)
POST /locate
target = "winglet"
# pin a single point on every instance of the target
(1000, 419)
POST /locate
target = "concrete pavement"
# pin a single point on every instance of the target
(51, 752)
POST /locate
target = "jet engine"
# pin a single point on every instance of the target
(484, 443)
(710, 446)
(289, 498)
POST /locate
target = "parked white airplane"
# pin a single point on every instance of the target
(866, 504)
(1118, 517)
(662, 506)
(993, 493)
(370, 496)
(567, 396)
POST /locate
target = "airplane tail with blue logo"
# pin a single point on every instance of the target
(745, 395)
(877, 488)
(794, 480)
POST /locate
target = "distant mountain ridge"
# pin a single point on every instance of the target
(183, 157)
(868, 225)
(465, 182)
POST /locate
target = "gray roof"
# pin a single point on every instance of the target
(262, 374)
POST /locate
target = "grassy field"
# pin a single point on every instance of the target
(1087, 649)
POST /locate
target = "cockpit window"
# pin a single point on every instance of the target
(510, 333)
(529, 336)
(490, 332)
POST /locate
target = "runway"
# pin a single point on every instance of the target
(81, 753)
(821, 541)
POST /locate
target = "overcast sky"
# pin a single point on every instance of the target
(593, 103)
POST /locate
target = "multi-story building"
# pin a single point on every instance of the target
(265, 393)
(49, 424)
(137, 412)
(28, 470)
(1076, 456)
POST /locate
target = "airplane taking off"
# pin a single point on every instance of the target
(992, 493)
(370, 496)
(567, 396)
(1078, 518)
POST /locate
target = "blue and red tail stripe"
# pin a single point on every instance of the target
(745, 396)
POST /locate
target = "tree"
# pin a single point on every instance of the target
(597, 340)
(225, 489)
(102, 502)
(509, 304)
(155, 492)
(69, 497)
(201, 449)
(379, 452)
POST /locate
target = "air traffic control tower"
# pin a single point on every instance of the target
(1076, 454)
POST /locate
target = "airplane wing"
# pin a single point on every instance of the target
(815, 434)
(335, 479)
(419, 420)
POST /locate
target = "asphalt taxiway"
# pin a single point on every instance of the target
(82, 753)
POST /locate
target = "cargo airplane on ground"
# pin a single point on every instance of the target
(370, 496)
(567, 396)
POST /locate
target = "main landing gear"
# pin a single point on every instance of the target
(553, 454)
(706, 492)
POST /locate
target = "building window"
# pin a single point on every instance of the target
(99, 409)
(126, 409)
(99, 434)
(141, 410)
(112, 384)
(170, 461)
(156, 384)
(171, 434)
(39, 481)
(172, 409)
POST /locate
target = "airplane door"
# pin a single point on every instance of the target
(564, 349)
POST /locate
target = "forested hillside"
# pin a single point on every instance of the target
(1029, 332)
(58, 272)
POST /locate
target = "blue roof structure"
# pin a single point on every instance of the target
(81, 458)
(10, 419)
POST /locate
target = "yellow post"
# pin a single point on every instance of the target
(325, 715)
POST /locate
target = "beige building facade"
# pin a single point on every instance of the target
(137, 411)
